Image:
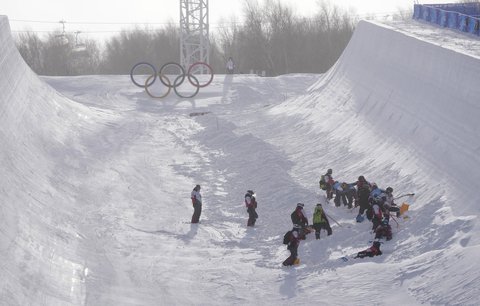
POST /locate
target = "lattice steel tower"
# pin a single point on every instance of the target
(194, 39)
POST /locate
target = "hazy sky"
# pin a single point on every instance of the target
(101, 17)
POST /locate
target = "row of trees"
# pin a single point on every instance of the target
(271, 38)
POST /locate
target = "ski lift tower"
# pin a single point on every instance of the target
(194, 39)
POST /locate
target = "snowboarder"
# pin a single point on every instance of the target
(320, 221)
(251, 204)
(293, 243)
(300, 221)
(374, 250)
(197, 204)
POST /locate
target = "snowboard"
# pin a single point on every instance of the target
(288, 262)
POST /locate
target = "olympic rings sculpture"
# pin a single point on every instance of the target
(176, 82)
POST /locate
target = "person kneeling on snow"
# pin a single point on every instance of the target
(293, 243)
(374, 250)
(384, 230)
(320, 221)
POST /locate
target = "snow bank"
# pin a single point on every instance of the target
(420, 95)
(39, 239)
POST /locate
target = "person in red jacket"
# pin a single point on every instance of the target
(197, 204)
(300, 221)
(330, 181)
(384, 230)
(251, 204)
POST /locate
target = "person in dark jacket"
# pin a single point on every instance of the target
(197, 204)
(300, 221)
(361, 199)
(251, 204)
(293, 248)
(374, 250)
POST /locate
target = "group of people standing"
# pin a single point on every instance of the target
(375, 203)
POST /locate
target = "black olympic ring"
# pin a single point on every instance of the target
(177, 82)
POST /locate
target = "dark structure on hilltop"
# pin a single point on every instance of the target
(460, 16)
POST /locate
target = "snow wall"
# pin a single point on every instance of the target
(418, 94)
(33, 271)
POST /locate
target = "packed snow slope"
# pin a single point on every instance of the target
(96, 180)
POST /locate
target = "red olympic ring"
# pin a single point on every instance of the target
(189, 73)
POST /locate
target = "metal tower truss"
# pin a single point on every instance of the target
(194, 36)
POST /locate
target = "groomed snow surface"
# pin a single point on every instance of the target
(96, 180)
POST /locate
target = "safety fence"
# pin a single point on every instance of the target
(460, 16)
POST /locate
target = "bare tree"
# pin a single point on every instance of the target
(272, 39)
(30, 47)
(141, 45)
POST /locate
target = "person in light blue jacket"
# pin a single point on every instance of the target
(344, 193)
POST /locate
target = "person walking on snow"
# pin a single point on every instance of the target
(197, 204)
(300, 221)
(320, 221)
(251, 204)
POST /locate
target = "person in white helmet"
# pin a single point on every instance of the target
(299, 220)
